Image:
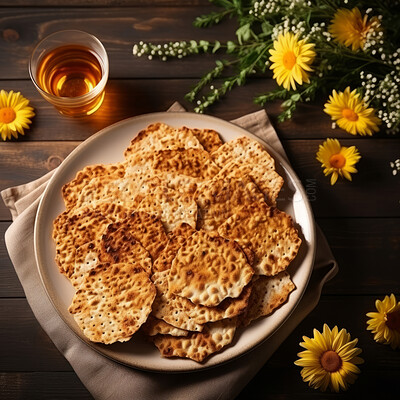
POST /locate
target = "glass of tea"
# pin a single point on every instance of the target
(70, 70)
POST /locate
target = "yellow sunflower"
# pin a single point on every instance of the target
(291, 59)
(385, 324)
(350, 28)
(351, 113)
(15, 114)
(330, 359)
(337, 160)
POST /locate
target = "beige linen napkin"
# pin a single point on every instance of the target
(106, 379)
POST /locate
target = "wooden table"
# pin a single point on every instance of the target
(360, 219)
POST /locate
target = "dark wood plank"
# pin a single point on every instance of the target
(130, 97)
(101, 3)
(286, 383)
(42, 386)
(274, 384)
(368, 253)
(9, 283)
(363, 247)
(117, 28)
(28, 162)
(374, 191)
(127, 98)
(24, 340)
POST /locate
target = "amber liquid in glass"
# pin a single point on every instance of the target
(71, 71)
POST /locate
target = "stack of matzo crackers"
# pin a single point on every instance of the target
(181, 241)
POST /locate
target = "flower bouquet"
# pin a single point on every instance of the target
(347, 49)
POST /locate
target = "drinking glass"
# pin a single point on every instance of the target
(70, 70)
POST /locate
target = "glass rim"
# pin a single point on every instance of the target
(62, 100)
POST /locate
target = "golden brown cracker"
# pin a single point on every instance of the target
(267, 180)
(198, 346)
(154, 326)
(208, 268)
(220, 198)
(176, 238)
(268, 232)
(268, 293)
(243, 150)
(113, 302)
(160, 136)
(181, 312)
(72, 189)
(147, 229)
(170, 206)
(208, 138)
(73, 229)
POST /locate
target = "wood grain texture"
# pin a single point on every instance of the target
(374, 191)
(127, 98)
(368, 253)
(286, 383)
(9, 283)
(24, 164)
(118, 29)
(25, 346)
(42, 386)
(102, 3)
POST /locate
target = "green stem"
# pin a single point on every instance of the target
(370, 59)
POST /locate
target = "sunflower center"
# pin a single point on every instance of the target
(330, 361)
(349, 114)
(7, 115)
(337, 161)
(289, 59)
(393, 321)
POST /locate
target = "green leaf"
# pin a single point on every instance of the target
(295, 97)
(213, 18)
(217, 45)
(287, 103)
(244, 33)
(267, 28)
(194, 47)
(241, 79)
(190, 96)
(204, 44)
(230, 46)
(222, 3)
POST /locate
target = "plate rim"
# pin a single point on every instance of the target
(157, 117)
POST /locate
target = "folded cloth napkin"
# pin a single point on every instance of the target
(106, 379)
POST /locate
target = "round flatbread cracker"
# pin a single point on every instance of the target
(208, 268)
(113, 302)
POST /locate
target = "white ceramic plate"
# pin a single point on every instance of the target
(107, 146)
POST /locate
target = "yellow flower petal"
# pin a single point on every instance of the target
(351, 113)
(15, 114)
(322, 371)
(291, 58)
(350, 28)
(386, 328)
(337, 160)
